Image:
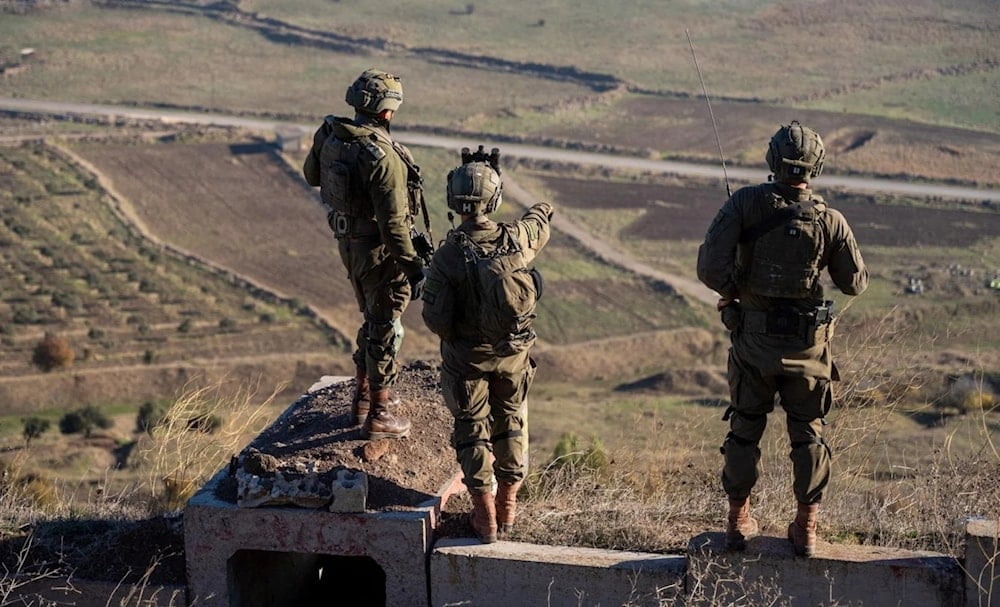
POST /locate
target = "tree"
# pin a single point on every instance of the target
(53, 352)
(34, 427)
(84, 420)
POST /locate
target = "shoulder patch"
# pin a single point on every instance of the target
(376, 152)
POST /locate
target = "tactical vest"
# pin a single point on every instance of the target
(341, 185)
(783, 259)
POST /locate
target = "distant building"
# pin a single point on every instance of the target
(289, 138)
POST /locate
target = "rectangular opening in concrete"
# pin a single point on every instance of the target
(262, 578)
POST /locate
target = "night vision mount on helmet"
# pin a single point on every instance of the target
(474, 188)
(795, 153)
(375, 91)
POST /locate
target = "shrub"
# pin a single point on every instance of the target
(227, 325)
(185, 326)
(207, 423)
(150, 416)
(25, 315)
(34, 427)
(53, 352)
(568, 452)
(84, 420)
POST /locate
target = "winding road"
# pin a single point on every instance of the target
(601, 248)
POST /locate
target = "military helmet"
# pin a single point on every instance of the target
(474, 188)
(374, 91)
(795, 153)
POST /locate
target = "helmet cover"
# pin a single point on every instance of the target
(795, 153)
(474, 188)
(375, 91)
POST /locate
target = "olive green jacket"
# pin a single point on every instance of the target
(384, 179)
(447, 294)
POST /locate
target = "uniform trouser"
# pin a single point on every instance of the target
(383, 293)
(806, 401)
(488, 398)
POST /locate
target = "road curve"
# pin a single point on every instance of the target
(858, 184)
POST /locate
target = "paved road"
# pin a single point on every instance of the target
(858, 184)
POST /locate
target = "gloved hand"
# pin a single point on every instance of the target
(416, 281)
(546, 209)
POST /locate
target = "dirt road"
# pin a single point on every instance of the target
(858, 184)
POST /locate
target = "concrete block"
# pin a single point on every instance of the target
(982, 563)
(847, 575)
(350, 490)
(465, 572)
(274, 557)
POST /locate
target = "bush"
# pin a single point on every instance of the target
(567, 452)
(34, 427)
(84, 420)
(185, 326)
(206, 423)
(150, 416)
(52, 352)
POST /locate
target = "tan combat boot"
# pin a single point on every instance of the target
(361, 400)
(802, 531)
(506, 504)
(741, 526)
(380, 423)
(484, 517)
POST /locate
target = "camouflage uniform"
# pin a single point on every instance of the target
(373, 237)
(762, 362)
(486, 392)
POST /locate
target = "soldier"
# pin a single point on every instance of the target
(363, 178)
(764, 253)
(479, 299)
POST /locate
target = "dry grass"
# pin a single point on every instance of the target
(180, 453)
(896, 483)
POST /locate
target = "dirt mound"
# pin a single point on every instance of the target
(685, 382)
(316, 433)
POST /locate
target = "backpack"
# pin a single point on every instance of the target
(505, 292)
(784, 251)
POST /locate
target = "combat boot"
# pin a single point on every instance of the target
(361, 400)
(741, 526)
(802, 531)
(381, 423)
(484, 517)
(506, 504)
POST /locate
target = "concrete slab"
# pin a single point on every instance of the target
(847, 575)
(465, 572)
(982, 563)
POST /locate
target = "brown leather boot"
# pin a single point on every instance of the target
(381, 423)
(741, 526)
(802, 531)
(484, 517)
(361, 401)
(506, 504)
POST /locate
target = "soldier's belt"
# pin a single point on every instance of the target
(810, 327)
(347, 227)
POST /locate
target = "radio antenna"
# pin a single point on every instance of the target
(711, 114)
